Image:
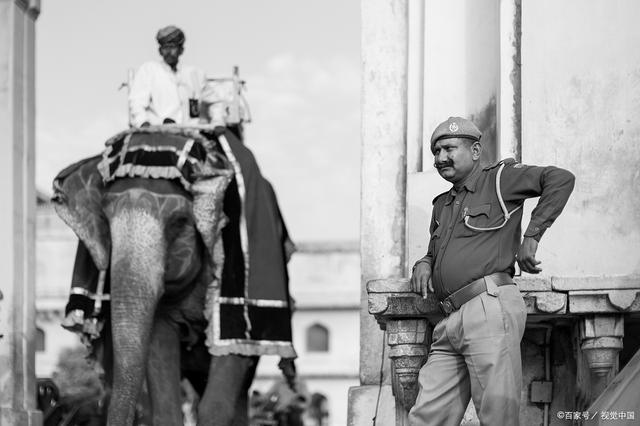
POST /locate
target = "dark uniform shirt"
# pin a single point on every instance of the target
(459, 255)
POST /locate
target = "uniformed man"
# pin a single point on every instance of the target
(469, 266)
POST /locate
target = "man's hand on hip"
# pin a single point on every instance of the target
(421, 279)
(527, 256)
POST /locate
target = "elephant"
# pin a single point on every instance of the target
(173, 239)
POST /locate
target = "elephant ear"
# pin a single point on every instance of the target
(208, 195)
(77, 198)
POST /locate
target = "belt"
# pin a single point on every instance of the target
(471, 290)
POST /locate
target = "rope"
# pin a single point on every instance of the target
(384, 343)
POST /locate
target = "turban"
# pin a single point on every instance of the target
(170, 35)
(455, 127)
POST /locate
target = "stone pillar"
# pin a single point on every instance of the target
(404, 315)
(383, 194)
(415, 86)
(601, 342)
(17, 216)
(509, 93)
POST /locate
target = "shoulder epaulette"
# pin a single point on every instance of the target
(438, 196)
(506, 162)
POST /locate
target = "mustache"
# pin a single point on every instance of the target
(443, 164)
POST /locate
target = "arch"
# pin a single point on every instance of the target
(317, 338)
(40, 340)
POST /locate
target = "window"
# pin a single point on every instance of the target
(39, 340)
(317, 338)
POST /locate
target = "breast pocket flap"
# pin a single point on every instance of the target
(475, 211)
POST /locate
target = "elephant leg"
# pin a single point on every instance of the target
(163, 374)
(225, 401)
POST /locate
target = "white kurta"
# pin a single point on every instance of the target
(157, 93)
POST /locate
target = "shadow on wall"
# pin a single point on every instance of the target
(486, 121)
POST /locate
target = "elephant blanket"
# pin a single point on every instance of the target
(247, 303)
(250, 312)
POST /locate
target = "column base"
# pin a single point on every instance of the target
(362, 406)
(10, 416)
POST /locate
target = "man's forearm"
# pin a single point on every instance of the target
(557, 185)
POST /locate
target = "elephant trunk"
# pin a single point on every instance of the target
(137, 277)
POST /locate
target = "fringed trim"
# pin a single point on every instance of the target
(153, 172)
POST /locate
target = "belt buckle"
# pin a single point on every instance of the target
(447, 306)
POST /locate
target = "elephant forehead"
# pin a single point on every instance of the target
(161, 206)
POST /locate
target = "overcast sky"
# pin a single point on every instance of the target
(301, 61)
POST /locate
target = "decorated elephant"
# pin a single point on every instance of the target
(187, 235)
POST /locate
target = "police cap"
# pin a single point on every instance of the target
(455, 127)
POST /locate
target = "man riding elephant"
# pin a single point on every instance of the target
(230, 306)
(161, 92)
(167, 91)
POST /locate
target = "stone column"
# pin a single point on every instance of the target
(17, 216)
(601, 342)
(383, 194)
(415, 85)
(509, 93)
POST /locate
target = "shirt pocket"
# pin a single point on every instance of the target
(476, 216)
(436, 239)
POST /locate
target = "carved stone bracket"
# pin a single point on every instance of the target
(545, 302)
(403, 314)
(601, 340)
(408, 353)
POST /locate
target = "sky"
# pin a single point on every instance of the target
(301, 62)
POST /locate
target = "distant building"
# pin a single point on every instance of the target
(324, 279)
(325, 324)
(55, 252)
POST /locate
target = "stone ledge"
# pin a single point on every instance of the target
(614, 301)
(394, 297)
(533, 283)
(621, 282)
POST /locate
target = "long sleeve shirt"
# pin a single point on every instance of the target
(458, 254)
(158, 93)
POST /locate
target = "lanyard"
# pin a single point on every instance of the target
(507, 214)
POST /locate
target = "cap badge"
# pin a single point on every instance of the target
(453, 127)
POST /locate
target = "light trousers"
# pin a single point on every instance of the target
(475, 354)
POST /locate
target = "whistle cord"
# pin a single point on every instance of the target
(507, 214)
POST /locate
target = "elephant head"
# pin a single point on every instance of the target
(157, 257)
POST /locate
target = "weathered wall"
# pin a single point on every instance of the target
(383, 121)
(461, 66)
(461, 78)
(580, 109)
